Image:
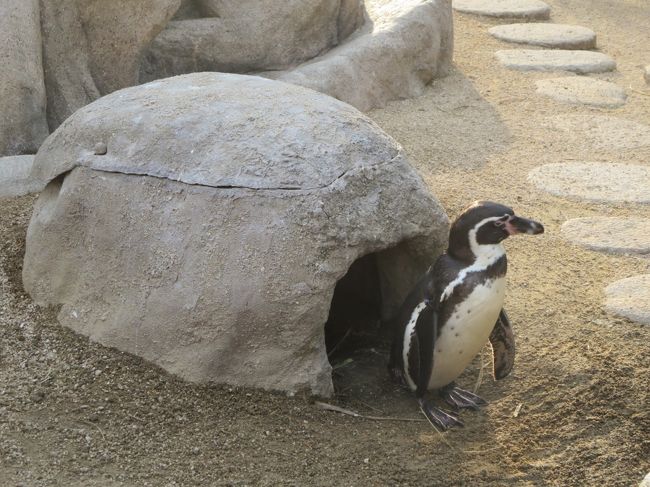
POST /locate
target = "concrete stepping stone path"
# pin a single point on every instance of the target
(601, 132)
(580, 90)
(582, 62)
(516, 9)
(558, 36)
(630, 298)
(594, 181)
(613, 235)
(15, 177)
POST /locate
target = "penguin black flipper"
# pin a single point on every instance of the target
(502, 340)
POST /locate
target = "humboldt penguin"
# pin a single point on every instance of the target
(456, 308)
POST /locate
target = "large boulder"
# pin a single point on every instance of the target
(93, 47)
(22, 91)
(324, 45)
(239, 36)
(203, 222)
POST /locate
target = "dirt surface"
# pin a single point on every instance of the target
(75, 413)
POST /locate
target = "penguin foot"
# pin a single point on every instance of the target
(462, 399)
(438, 418)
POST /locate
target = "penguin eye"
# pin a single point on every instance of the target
(501, 221)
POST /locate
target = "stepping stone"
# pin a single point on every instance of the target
(558, 36)
(579, 90)
(630, 298)
(610, 234)
(556, 60)
(516, 9)
(594, 181)
(601, 132)
(15, 179)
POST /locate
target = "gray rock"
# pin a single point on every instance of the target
(601, 132)
(630, 298)
(646, 481)
(613, 235)
(405, 46)
(558, 36)
(22, 92)
(580, 90)
(15, 179)
(595, 181)
(582, 62)
(241, 36)
(210, 237)
(529, 9)
(93, 47)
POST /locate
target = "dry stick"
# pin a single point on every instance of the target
(331, 407)
(339, 343)
(639, 92)
(98, 428)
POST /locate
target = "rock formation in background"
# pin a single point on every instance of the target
(22, 93)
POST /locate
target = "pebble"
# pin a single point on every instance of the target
(100, 149)
(594, 181)
(558, 36)
(646, 75)
(529, 9)
(610, 234)
(602, 132)
(582, 62)
(580, 90)
(15, 177)
(630, 298)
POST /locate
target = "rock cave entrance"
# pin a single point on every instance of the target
(355, 316)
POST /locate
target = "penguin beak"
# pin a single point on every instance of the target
(517, 224)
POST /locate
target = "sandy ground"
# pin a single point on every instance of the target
(75, 413)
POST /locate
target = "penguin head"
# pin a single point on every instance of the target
(483, 225)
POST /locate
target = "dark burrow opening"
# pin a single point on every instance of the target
(355, 320)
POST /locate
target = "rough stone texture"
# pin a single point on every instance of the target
(630, 298)
(242, 36)
(22, 91)
(579, 90)
(210, 236)
(582, 62)
(15, 177)
(595, 181)
(406, 44)
(93, 47)
(613, 235)
(402, 47)
(646, 75)
(601, 132)
(530, 9)
(558, 36)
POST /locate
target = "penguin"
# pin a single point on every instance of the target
(455, 308)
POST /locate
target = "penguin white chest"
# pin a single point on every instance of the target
(466, 331)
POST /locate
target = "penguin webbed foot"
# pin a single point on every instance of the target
(438, 418)
(462, 399)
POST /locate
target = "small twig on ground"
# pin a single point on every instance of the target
(331, 407)
(517, 409)
(639, 91)
(98, 428)
(347, 333)
(345, 363)
(479, 379)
